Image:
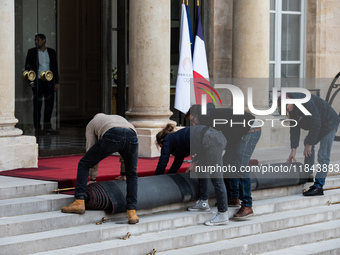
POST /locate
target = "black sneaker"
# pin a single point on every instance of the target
(313, 191)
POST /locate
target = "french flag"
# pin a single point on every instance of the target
(200, 63)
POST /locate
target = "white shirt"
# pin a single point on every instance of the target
(44, 62)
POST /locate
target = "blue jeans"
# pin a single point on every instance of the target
(239, 185)
(213, 145)
(122, 140)
(324, 156)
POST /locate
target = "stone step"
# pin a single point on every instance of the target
(185, 221)
(328, 247)
(264, 242)
(36, 204)
(12, 187)
(245, 237)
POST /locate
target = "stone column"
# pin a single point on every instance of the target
(220, 44)
(149, 70)
(16, 151)
(251, 48)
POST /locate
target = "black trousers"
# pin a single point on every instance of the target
(43, 91)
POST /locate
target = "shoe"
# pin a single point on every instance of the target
(132, 216)
(313, 191)
(244, 212)
(51, 131)
(78, 206)
(220, 218)
(201, 205)
(234, 202)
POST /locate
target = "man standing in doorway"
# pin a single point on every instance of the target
(41, 59)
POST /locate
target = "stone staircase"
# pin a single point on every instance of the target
(285, 222)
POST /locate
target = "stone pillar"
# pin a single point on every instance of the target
(220, 44)
(251, 48)
(220, 38)
(16, 151)
(149, 70)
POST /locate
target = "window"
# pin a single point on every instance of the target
(287, 47)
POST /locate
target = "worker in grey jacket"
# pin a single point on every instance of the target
(107, 134)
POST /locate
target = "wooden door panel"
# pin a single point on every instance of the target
(79, 56)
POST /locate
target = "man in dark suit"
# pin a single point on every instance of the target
(41, 59)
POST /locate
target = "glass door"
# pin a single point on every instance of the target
(58, 71)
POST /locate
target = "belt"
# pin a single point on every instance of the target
(252, 130)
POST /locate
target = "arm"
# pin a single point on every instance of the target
(163, 159)
(294, 143)
(314, 122)
(29, 64)
(176, 165)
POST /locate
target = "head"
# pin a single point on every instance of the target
(289, 107)
(40, 40)
(193, 114)
(169, 128)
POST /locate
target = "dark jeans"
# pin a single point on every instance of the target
(324, 157)
(239, 184)
(45, 92)
(122, 140)
(213, 145)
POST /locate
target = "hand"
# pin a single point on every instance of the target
(308, 150)
(90, 182)
(291, 157)
(191, 167)
(56, 86)
(121, 178)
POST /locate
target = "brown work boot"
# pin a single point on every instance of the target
(244, 212)
(132, 216)
(233, 202)
(78, 206)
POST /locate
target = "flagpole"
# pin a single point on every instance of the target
(198, 2)
(187, 2)
(183, 2)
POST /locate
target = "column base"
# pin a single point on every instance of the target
(18, 152)
(146, 141)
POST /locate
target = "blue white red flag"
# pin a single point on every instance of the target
(184, 74)
(200, 63)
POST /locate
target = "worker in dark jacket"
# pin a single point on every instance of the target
(242, 133)
(208, 145)
(322, 125)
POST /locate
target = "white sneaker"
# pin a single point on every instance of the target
(220, 218)
(201, 205)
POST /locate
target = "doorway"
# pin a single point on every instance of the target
(74, 30)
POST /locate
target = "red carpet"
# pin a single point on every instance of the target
(64, 169)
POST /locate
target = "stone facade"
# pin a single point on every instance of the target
(238, 47)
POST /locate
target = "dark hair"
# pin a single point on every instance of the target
(41, 36)
(195, 110)
(169, 128)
